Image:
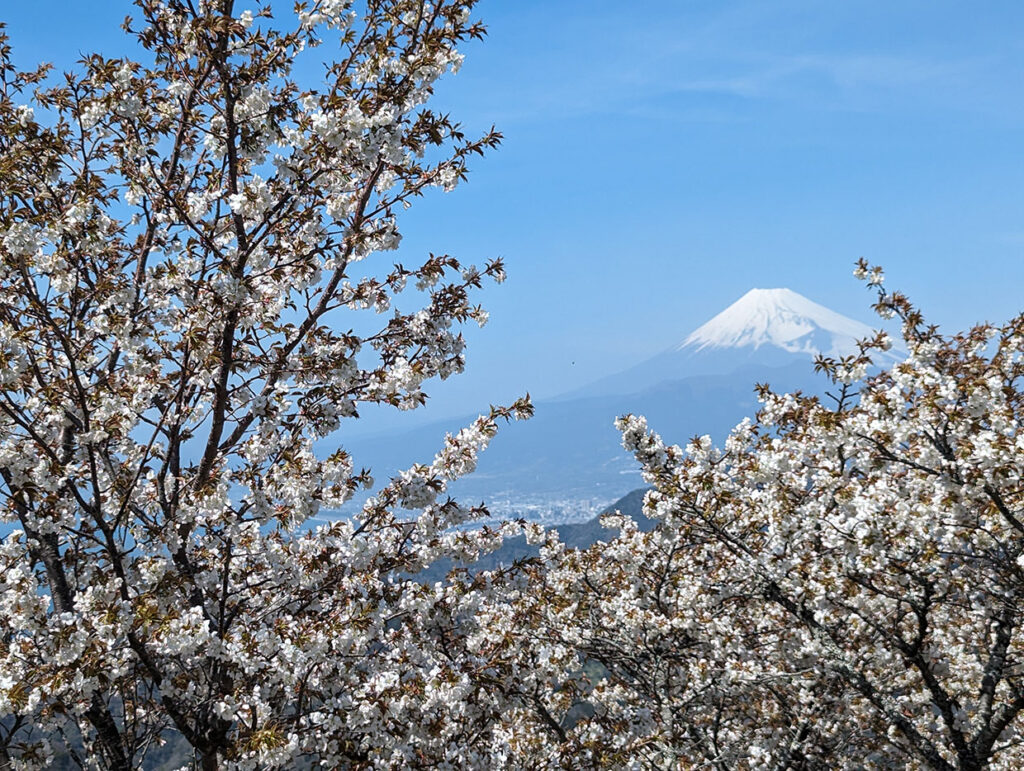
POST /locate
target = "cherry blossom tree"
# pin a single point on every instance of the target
(839, 586)
(184, 239)
(189, 243)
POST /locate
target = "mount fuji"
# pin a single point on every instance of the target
(764, 328)
(567, 463)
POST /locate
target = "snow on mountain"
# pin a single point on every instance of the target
(782, 318)
(764, 328)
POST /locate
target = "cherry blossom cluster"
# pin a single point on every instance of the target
(838, 586)
(187, 242)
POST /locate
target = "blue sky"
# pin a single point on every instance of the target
(663, 157)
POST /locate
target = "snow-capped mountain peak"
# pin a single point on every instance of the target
(780, 318)
(765, 328)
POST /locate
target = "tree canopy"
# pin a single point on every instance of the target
(189, 243)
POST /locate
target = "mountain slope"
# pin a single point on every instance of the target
(763, 328)
(567, 463)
